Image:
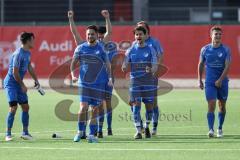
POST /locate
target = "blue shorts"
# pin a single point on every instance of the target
(92, 94)
(143, 94)
(213, 93)
(16, 95)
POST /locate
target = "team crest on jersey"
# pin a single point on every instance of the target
(97, 52)
(145, 54)
(220, 54)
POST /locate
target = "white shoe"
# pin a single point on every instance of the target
(8, 138)
(27, 137)
(210, 133)
(219, 133)
(154, 132)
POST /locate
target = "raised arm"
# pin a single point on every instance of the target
(107, 36)
(77, 37)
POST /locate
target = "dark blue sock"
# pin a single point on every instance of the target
(155, 117)
(93, 128)
(100, 122)
(84, 127)
(137, 116)
(210, 118)
(149, 115)
(109, 119)
(81, 126)
(221, 117)
(131, 108)
(25, 121)
(9, 121)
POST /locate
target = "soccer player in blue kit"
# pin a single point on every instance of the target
(216, 58)
(91, 82)
(16, 90)
(156, 45)
(142, 60)
(104, 36)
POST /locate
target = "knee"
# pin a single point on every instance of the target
(13, 110)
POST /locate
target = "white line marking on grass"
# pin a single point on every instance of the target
(125, 149)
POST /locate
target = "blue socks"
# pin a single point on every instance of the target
(155, 117)
(93, 128)
(100, 122)
(221, 117)
(109, 119)
(25, 122)
(149, 115)
(137, 117)
(210, 118)
(9, 121)
(81, 126)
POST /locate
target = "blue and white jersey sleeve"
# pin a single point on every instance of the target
(127, 58)
(17, 59)
(228, 54)
(154, 56)
(202, 54)
(158, 47)
(76, 54)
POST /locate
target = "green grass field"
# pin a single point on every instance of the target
(181, 138)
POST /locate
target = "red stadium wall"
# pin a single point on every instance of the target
(55, 45)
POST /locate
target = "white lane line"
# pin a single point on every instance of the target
(125, 149)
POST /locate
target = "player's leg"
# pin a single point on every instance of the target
(211, 95)
(155, 110)
(222, 97)
(100, 120)
(137, 117)
(23, 101)
(93, 120)
(221, 117)
(81, 119)
(109, 116)
(149, 116)
(108, 97)
(12, 100)
(25, 121)
(155, 116)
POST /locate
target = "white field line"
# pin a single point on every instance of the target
(125, 149)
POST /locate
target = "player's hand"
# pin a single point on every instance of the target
(124, 69)
(110, 82)
(218, 83)
(105, 13)
(74, 79)
(201, 85)
(148, 69)
(36, 84)
(24, 88)
(70, 14)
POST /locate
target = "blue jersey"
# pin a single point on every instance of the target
(155, 44)
(92, 61)
(139, 58)
(214, 59)
(20, 59)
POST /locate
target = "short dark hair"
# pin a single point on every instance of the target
(139, 28)
(26, 36)
(93, 27)
(102, 29)
(144, 23)
(216, 28)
